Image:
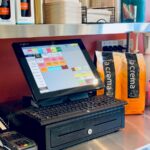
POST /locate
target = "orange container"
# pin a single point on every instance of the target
(133, 83)
(124, 77)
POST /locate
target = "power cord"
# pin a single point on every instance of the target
(4, 146)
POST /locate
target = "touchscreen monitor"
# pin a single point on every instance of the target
(57, 68)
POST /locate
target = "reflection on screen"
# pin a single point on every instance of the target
(58, 67)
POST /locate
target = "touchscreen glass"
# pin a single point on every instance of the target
(58, 67)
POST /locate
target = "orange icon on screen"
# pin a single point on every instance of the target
(44, 70)
(62, 63)
(55, 63)
(49, 64)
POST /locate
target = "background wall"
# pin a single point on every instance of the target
(141, 43)
(147, 10)
(12, 82)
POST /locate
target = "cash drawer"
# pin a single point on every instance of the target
(84, 128)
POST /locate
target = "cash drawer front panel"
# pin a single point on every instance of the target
(76, 130)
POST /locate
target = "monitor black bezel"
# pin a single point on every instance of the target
(30, 79)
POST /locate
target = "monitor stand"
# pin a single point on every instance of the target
(49, 102)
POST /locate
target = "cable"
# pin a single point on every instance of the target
(4, 146)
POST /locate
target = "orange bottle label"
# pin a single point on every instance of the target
(4, 11)
(24, 6)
